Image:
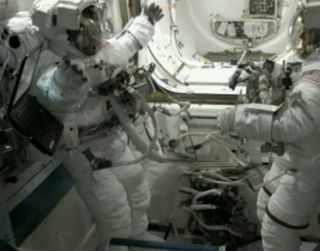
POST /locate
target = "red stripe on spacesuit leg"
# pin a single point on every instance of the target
(283, 223)
(266, 190)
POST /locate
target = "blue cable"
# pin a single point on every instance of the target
(161, 245)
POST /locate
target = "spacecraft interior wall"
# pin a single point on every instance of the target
(197, 42)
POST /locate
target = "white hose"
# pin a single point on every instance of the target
(235, 158)
(184, 105)
(216, 175)
(118, 110)
(226, 182)
(243, 56)
(202, 207)
(223, 183)
(188, 190)
(137, 140)
(213, 191)
(215, 137)
(258, 187)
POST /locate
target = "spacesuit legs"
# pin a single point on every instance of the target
(271, 181)
(104, 196)
(135, 183)
(134, 180)
(118, 198)
(136, 186)
(262, 203)
(288, 210)
(132, 177)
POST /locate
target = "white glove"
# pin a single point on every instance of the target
(226, 120)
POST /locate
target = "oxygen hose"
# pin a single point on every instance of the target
(135, 137)
(132, 134)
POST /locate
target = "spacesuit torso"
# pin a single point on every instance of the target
(308, 93)
(290, 192)
(302, 153)
(296, 123)
(67, 92)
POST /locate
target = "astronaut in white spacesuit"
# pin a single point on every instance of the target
(118, 198)
(286, 204)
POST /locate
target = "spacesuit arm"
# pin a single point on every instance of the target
(135, 36)
(301, 117)
(141, 30)
(294, 122)
(62, 88)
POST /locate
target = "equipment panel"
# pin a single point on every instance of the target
(262, 7)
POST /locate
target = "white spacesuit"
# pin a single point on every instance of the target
(286, 204)
(118, 198)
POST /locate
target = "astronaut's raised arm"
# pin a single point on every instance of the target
(135, 36)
